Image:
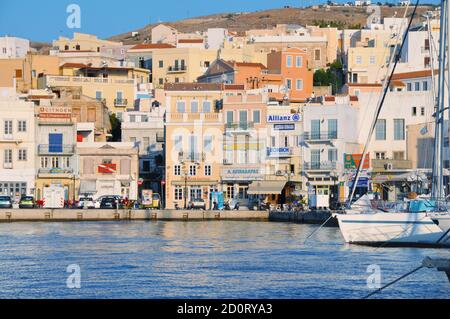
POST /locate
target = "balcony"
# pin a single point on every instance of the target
(319, 166)
(278, 152)
(319, 137)
(191, 157)
(239, 127)
(7, 165)
(9, 138)
(120, 102)
(384, 165)
(177, 69)
(54, 172)
(190, 117)
(64, 149)
(80, 80)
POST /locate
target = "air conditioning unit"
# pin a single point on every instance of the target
(388, 166)
(226, 162)
(279, 173)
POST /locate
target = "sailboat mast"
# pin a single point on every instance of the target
(387, 83)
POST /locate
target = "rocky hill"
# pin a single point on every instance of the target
(339, 16)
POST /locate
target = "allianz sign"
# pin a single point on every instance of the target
(283, 118)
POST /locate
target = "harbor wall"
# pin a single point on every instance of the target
(306, 217)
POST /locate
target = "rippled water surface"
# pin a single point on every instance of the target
(214, 259)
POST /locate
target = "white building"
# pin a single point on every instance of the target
(17, 145)
(418, 52)
(13, 48)
(215, 38)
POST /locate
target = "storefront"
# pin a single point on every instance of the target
(236, 181)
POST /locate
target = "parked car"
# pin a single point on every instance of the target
(97, 203)
(109, 203)
(197, 203)
(26, 202)
(86, 202)
(5, 202)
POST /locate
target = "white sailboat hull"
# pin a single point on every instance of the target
(390, 229)
(442, 220)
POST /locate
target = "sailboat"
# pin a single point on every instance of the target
(423, 222)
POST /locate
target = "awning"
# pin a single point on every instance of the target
(88, 187)
(266, 187)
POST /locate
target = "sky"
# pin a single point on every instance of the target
(45, 20)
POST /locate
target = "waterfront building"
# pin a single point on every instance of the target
(330, 132)
(13, 48)
(108, 168)
(17, 145)
(56, 148)
(142, 54)
(244, 145)
(194, 131)
(180, 65)
(145, 128)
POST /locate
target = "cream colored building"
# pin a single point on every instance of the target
(82, 42)
(180, 65)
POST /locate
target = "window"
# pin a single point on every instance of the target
(178, 193)
(194, 106)
(7, 156)
(315, 158)
(230, 191)
(243, 117)
(256, 116)
(98, 95)
(144, 118)
(417, 86)
(8, 127)
(178, 143)
(289, 84)
(299, 84)
(132, 118)
(286, 141)
(289, 61)
(161, 81)
(332, 128)
(422, 111)
(206, 106)
(315, 129)
(358, 59)
(380, 130)
(408, 86)
(181, 106)
(177, 170)
(399, 155)
(161, 63)
(145, 166)
(55, 142)
(55, 162)
(414, 111)
(425, 85)
(229, 117)
(22, 126)
(399, 129)
(77, 47)
(332, 155)
(298, 61)
(207, 147)
(192, 170)
(44, 162)
(317, 54)
(372, 59)
(22, 155)
(380, 155)
(208, 170)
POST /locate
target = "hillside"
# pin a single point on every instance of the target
(340, 16)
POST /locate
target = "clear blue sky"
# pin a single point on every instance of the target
(45, 20)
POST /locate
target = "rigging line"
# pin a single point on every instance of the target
(380, 105)
(393, 282)
(317, 229)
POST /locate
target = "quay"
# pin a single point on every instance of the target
(305, 217)
(47, 215)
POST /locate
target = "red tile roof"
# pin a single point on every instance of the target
(412, 75)
(190, 41)
(147, 46)
(73, 65)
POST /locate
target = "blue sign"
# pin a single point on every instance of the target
(362, 182)
(278, 151)
(283, 118)
(284, 127)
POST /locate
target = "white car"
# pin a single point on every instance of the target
(86, 202)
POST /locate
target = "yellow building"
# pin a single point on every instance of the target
(24, 74)
(116, 86)
(82, 42)
(180, 65)
(194, 132)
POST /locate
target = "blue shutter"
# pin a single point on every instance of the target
(55, 143)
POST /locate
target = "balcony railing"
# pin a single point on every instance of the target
(191, 157)
(55, 170)
(77, 80)
(45, 149)
(120, 102)
(319, 136)
(388, 164)
(239, 126)
(176, 68)
(319, 166)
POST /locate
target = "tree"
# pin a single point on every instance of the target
(116, 128)
(332, 76)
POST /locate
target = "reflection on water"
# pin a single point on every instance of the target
(214, 259)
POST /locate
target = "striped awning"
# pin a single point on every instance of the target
(266, 187)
